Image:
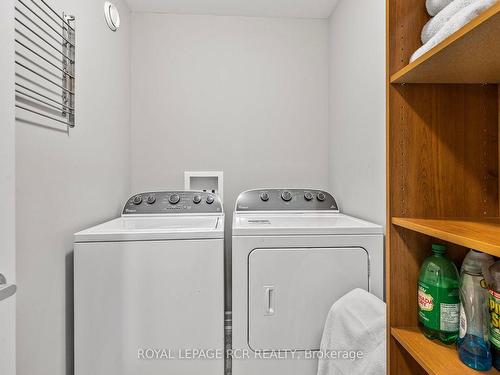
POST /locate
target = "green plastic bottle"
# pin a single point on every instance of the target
(438, 296)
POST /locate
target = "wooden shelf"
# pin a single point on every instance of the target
(479, 234)
(434, 357)
(470, 55)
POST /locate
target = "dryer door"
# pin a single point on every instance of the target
(292, 290)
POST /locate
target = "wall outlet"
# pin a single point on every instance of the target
(211, 182)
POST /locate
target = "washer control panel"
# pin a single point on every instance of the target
(286, 200)
(172, 202)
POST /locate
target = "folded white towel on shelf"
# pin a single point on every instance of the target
(357, 323)
(436, 23)
(459, 20)
(436, 6)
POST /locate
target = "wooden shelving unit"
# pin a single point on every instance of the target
(434, 357)
(470, 55)
(442, 167)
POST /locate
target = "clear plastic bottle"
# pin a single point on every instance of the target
(473, 342)
(438, 300)
(494, 305)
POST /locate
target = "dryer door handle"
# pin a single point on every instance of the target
(269, 300)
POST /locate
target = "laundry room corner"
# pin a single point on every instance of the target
(115, 254)
(249, 187)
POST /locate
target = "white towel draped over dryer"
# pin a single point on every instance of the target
(356, 322)
(459, 20)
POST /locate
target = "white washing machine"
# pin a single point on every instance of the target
(149, 288)
(293, 256)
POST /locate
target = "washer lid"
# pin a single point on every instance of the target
(267, 224)
(143, 228)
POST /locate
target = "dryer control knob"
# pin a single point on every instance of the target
(137, 200)
(264, 196)
(151, 199)
(286, 196)
(210, 199)
(174, 198)
(197, 199)
(321, 197)
(308, 196)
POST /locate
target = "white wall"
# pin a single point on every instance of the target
(7, 185)
(66, 182)
(248, 96)
(357, 108)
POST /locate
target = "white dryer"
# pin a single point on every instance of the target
(293, 256)
(149, 288)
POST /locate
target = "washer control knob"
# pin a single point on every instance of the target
(286, 196)
(197, 199)
(210, 199)
(151, 199)
(264, 196)
(308, 196)
(321, 197)
(174, 198)
(137, 200)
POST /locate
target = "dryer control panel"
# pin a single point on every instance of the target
(172, 202)
(286, 200)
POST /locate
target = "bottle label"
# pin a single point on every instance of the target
(449, 317)
(438, 308)
(463, 322)
(494, 305)
(425, 301)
